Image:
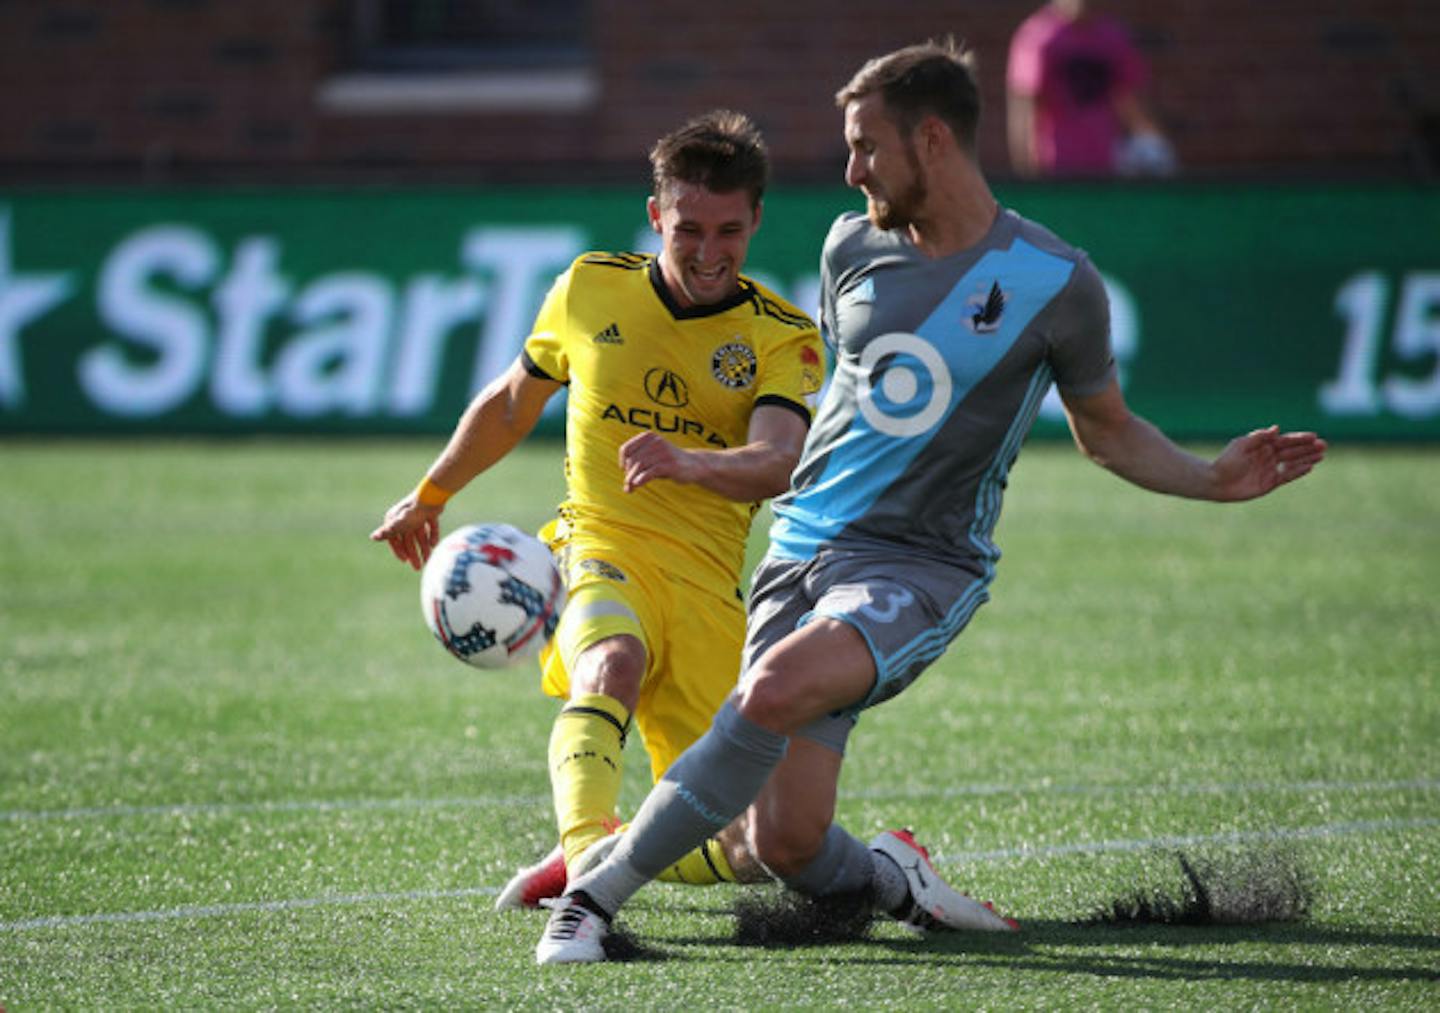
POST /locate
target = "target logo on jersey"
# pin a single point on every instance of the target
(904, 385)
(492, 594)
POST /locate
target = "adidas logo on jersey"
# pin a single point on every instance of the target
(610, 336)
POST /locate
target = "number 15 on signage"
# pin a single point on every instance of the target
(1360, 389)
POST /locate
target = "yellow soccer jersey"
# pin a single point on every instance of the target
(634, 360)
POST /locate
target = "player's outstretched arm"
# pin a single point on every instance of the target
(1252, 465)
(497, 419)
(758, 470)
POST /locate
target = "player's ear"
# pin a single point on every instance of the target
(759, 213)
(652, 208)
(932, 133)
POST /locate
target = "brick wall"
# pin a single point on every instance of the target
(178, 90)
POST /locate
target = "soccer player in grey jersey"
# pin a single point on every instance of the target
(949, 318)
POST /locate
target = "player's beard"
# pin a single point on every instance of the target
(900, 210)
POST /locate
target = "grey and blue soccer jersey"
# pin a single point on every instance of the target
(941, 365)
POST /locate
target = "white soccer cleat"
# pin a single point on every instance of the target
(573, 935)
(934, 904)
(535, 883)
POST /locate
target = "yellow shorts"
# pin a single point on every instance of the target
(692, 637)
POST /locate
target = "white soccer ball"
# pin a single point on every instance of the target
(492, 594)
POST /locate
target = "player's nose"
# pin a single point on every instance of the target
(854, 171)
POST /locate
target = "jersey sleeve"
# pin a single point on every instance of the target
(794, 371)
(544, 349)
(1080, 350)
(827, 290)
(841, 229)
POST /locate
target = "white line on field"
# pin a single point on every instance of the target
(239, 808)
(1323, 832)
(1215, 788)
(483, 801)
(226, 910)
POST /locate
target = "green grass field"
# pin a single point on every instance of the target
(237, 772)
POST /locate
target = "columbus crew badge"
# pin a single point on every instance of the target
(734, 365)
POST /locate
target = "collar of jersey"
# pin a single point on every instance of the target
(657, 282)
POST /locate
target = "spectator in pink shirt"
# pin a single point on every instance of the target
(1073, 85)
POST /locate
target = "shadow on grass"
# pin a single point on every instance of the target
(1109, 952)
(775, 920)
(1287, 934)
(1256, 898)
(623, 947)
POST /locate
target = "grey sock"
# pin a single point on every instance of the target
(844, 865)
(708, 786)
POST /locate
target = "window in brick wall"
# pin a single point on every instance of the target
(443, 56)
(454, 34)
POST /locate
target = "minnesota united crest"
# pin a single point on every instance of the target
(983, 312)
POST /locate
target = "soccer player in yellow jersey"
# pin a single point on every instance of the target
(691, 390)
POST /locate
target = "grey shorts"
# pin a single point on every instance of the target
(907, 609)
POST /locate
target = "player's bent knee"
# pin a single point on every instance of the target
(614, 667)
(768, 702)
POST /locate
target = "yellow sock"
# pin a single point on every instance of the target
(587, 745)
(702, 867)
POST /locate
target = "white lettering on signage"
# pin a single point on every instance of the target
(521, 260)
(183, 317)
(432, 307)
(251, 295)
(168, 332)
(23, 298)
(346, 343)
(336, 365)
(1358, 389)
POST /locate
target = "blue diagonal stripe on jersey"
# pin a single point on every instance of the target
(865, 461)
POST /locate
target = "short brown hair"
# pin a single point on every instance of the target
(721, 151)
(928, 79)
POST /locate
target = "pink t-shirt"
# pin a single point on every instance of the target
(1074, 70)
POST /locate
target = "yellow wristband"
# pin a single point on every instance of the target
(427, 493)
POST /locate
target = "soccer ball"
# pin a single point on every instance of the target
(491, 594)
